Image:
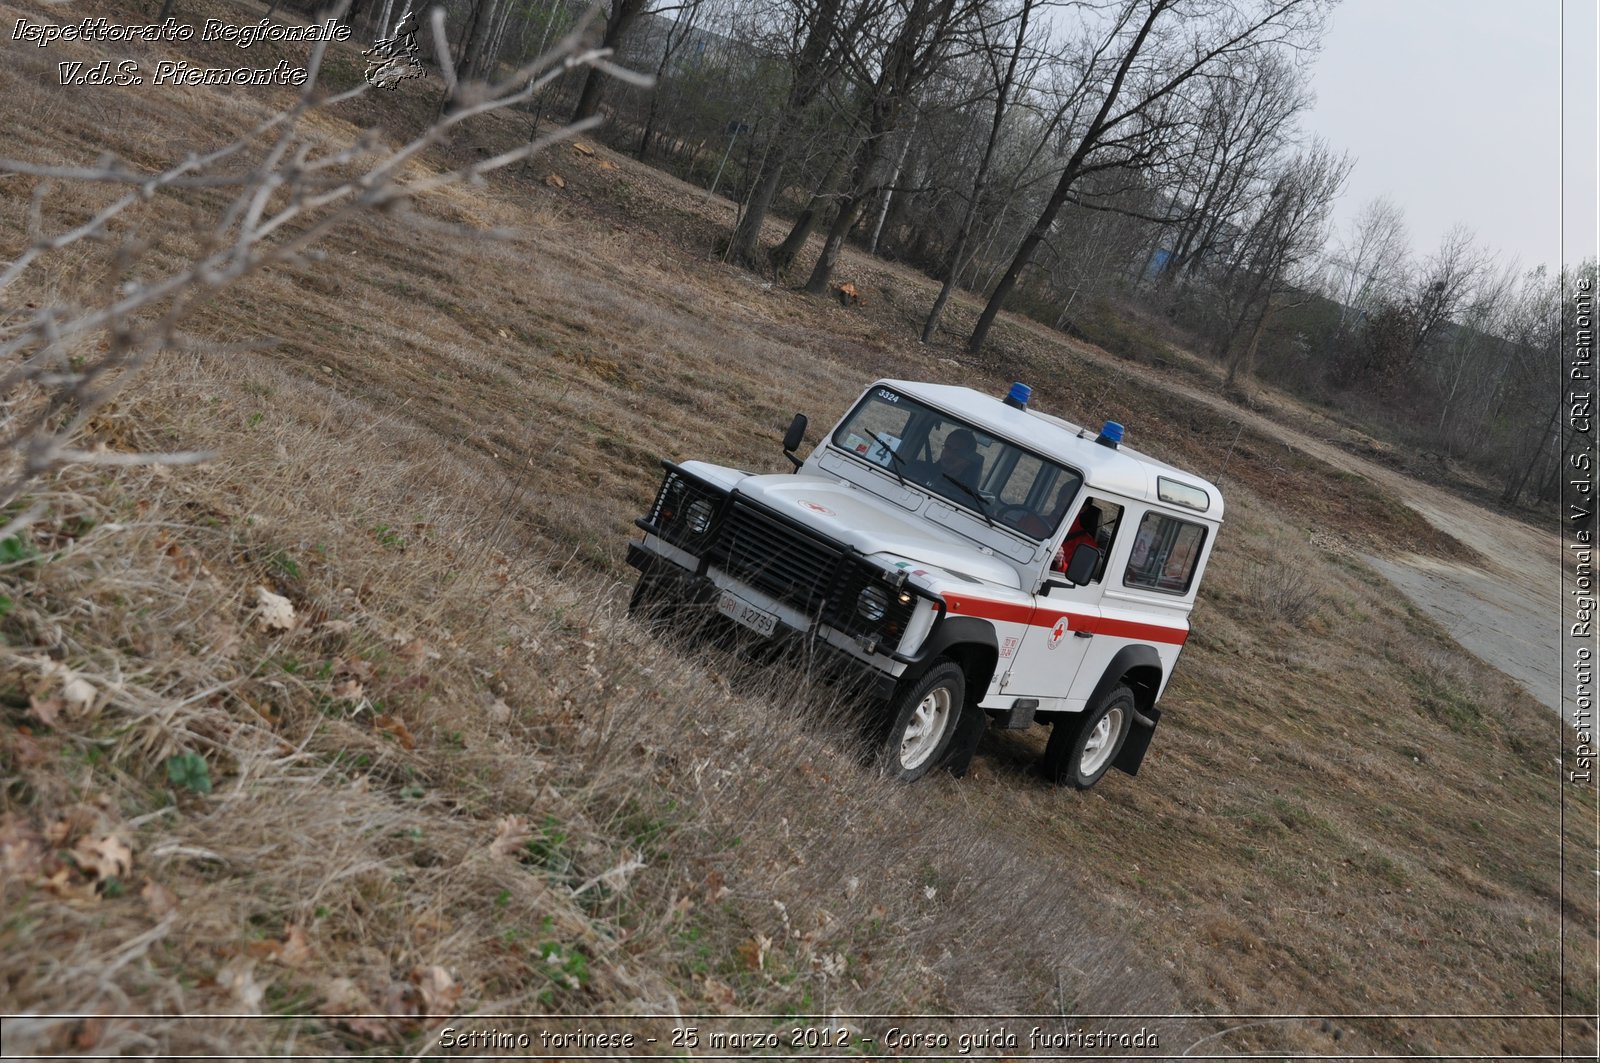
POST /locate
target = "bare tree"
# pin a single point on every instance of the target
(1245, 126)
(1370, 262)
(683, 24)
(823, 34)
(915, 46)
(1443, 289)
(1287, 235)
(1002, 66)
(620, 17)
(1131, 77)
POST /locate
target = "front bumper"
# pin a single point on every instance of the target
(678, 584)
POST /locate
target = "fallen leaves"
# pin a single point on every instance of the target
(719, 993)
(58, 692)
(237, 978)
(78, 693)
(158, 900)
(555, 180)
(293, 951)
(439, 991)
(395, 726)
(415, 652)
(273, 612)
(512, 835)
(21, 849)
(499, 711)
(752, 953)
(107, 857)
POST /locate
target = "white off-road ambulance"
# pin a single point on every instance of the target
(976, 560)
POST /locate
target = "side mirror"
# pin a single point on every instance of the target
(1080, 568)
(794, 437)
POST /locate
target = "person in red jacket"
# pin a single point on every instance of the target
(1082, 533)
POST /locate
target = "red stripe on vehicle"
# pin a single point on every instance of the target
(1012, 613)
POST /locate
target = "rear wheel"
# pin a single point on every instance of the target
(1083, 746)
(924, 719)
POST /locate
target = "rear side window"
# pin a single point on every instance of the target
(1165, 552)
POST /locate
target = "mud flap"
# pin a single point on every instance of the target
(1131, 755)
(964, 743)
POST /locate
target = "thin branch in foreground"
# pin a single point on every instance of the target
(72, 355)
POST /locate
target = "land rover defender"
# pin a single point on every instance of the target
(978, 562)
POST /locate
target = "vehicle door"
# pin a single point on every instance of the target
(1061, 636)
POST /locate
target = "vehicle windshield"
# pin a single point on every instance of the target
(934, 451)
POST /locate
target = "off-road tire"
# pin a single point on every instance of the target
(648, 603)
(923, 718)
(1084, 745)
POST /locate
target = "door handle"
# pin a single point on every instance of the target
(1083, 634)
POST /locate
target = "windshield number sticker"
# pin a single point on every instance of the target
(887, 396)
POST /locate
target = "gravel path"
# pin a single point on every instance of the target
(1505, 607)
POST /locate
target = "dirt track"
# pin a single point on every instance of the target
(1504, 608)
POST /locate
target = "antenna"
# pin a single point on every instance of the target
(1238, 430)
(1090, 414)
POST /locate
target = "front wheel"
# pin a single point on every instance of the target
(1082, 747)
(649, 601)
(924, 721)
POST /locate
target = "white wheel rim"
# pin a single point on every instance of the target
(926, 727)
(1097, 750)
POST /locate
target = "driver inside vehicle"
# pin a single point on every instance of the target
(959, 458)
(1084, 532)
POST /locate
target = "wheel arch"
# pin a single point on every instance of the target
(970, 643)
(1137, 667)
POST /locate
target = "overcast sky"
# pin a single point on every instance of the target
(1453, 110)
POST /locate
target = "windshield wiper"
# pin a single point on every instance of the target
(895, 457)
(983, 507)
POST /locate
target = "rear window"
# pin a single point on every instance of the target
(1165, 552)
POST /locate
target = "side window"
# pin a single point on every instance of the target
(1095, 525)
(1165, 552)
(1106, 536)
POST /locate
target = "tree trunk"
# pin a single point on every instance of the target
(783, 256)
(843, 222)
(475, 38)
(1241, 363)
(747, 234)
(1515, 482)
(623, 14)
(888, 193)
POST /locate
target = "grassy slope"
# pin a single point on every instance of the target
(442, 458)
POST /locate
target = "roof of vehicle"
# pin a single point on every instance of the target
(1122, 469)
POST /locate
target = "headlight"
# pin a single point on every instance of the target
(872, 604)
(699, 518)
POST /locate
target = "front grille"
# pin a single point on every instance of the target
(805, 570)
(775, 556)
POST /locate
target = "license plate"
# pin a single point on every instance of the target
(743, 613)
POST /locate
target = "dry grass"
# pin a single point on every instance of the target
(438, 466)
